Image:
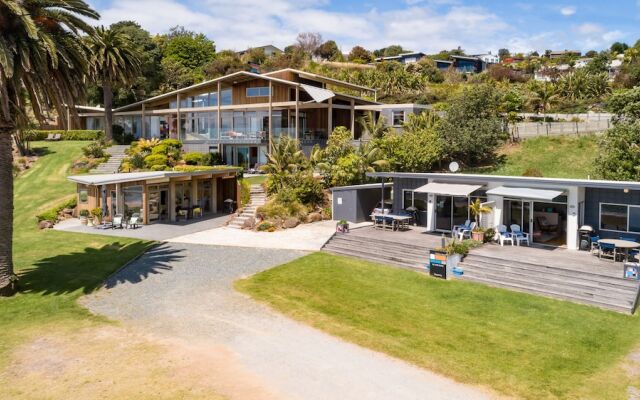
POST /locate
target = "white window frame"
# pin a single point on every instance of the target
(404, 117)
(615, 204)
(259, 89)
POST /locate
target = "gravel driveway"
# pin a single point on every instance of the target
(185, 291)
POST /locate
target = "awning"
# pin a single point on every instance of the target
(318, 94)
(526, 193)
(450, 189)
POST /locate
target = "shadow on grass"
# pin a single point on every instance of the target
(84, 271)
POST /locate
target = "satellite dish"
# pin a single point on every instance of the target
(454, 167)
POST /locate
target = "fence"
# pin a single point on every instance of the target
(524, 130)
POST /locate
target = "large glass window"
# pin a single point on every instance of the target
(613, 217)
(258, 91)
(132, 200)
(634, 219)
(83, 196)
(226, 97)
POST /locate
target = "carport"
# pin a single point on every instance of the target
(355, 203)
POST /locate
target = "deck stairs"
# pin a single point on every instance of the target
(586, 287)
(258, 198)
(383, 251)
(602, 289)
(112, 165)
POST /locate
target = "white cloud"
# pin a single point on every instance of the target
(568, 11)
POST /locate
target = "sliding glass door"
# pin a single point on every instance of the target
(450, 211)
(518, 212)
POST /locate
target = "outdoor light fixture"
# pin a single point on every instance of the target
(626, 190)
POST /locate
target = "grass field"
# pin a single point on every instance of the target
(517, 344)
(256, 180)
(55, 268)
(554, 157)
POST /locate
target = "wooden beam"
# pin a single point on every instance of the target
(353, 119)
(330, 118)
(218, 110)
(297, 135)
(144, 124)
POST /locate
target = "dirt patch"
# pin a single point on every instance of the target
(110, 362)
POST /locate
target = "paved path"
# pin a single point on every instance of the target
(185, 291)
(155, 231)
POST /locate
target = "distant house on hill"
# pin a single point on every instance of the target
(468, 64)
(563, 53)
(269, 50)
(488, 58)
(404, 58)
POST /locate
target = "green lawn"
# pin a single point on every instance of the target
(256, 180)
(554, 157)
(517, 344)
(55, 268)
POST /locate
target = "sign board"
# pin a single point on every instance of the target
(632, 271)
(438, 264)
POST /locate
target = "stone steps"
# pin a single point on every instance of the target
(257, 198)
(112, 165)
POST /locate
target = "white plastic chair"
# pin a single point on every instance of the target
(466, 231)
(518, 235)
(503, 235)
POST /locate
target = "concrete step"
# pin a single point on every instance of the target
(378, 260)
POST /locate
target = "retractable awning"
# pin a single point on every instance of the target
(450, 189)
(318, 94)
(525, 193)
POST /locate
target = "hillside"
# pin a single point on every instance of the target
(553, 157)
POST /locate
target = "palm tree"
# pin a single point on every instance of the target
(113, 62)
(477, 208)
(285, 159)
(544, 97)
(371, 159)
(374, 128)
(42, 63)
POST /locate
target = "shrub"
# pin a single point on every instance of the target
(460, 247)
(120, 137)
(155, 160)
(245, 192)
(175, 143)
(38, 134)
(193, 168)
(160, 149)
(213, 159)
(52, 214)
(94, 150)
(266, 226)
(194, 158)
(136, 161)
(159, 168)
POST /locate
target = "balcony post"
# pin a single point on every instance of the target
(144, 128)
(330, 118)
(270, 130)
(219, 114)
(178, 130)
(353, 119)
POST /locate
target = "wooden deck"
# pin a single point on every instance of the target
(577, 276)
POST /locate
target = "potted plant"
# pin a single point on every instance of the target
(97, 215)
(83, 217)
(342, 226)
(477, 209)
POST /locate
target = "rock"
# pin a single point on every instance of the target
(45, 225)
(67, 211)
(290, 223)
(314, 217)
(249, 223)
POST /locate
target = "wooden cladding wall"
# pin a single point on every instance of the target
(280, 92)
(286, 75)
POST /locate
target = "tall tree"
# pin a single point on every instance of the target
(309, 42)
(42, 61)
(360, 55)
(114, 61)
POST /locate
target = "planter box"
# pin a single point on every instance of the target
(478, 236)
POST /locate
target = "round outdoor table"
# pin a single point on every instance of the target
(626, 245)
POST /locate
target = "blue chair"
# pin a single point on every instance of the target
(607, 250)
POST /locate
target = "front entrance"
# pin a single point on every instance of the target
(158, 203)
(546, 222)
(451, 211)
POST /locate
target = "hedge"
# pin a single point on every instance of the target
(35, 134)
(52, 214)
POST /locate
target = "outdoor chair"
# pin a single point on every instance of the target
(134, 221)
(456, 228)
(117, 222)
(595, 246)
(57, 136)
(197, 212)
(518, 235)
(50, 137)
(503, 235)
(607, 250)
(462, 232)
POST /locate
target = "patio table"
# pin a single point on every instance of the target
(625, 245)
(399, 221)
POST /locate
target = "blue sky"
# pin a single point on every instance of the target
(424, 25)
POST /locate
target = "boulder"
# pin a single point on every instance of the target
(45, 225)
(67, 211)
(249, 223)
(314, 217)
(290, 223)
